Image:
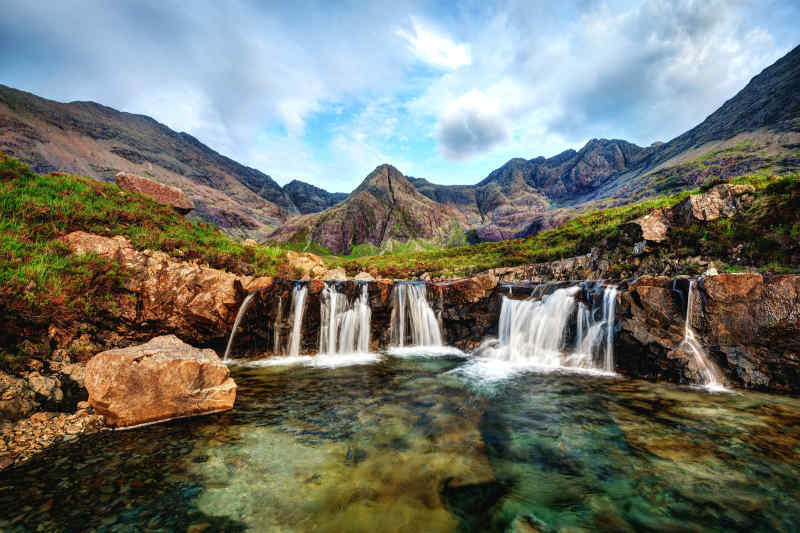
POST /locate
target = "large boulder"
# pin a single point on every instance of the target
(160, 380)
(721, 201)
(163, 194)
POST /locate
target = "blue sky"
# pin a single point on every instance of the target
(326, 91)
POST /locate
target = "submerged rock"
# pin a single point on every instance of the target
(163, 194)
(157, 381)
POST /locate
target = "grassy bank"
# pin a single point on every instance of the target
(40, 278)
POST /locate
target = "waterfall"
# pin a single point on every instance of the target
(557, 330)
(298, 309)
(609, 316)
(410, 307)
(276, 332)
(711, 375)
(344, 328)
(239, 315)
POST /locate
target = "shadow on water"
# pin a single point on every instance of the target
(408, 445)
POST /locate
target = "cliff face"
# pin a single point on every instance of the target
(311, 199)
(93, 140)
(385, 207)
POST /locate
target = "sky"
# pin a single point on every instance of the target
(326, 91)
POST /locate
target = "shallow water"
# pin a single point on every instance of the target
(430, 444)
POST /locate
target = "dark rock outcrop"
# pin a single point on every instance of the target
(311, 199)
(749, 324)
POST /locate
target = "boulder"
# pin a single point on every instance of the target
(163, 194)
(157, 381)
(364, 276)
(308, 266)
(335, 274)
(649, 228)
(721, 201)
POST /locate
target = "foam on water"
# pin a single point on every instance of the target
(425, 351)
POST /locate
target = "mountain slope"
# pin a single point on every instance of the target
(756, 129)
(90, 139)
(384, 208)
(311, 199)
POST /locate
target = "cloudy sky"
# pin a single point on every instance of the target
(326, 91)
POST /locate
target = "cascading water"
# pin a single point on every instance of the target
(298, 310)
(239, 315)
(556, 330)
(712, 377)
(344, 328)
(276, 328)
(609, 315)
(410, 308)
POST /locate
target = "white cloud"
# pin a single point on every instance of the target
(472, 123)
(434, 47)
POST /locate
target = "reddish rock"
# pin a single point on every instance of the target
(191, 300)
(163, 194)
(157, 381)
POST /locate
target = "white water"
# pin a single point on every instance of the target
(276, 328)
(536, 333)
(410, 309)
(298, 310)
(239, 315)
(712, 377)
(344, 329)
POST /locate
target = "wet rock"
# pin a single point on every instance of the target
(163, 194)
(21, 440)
(156, 381)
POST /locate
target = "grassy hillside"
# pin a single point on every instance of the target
(38, 272)
(766, 236)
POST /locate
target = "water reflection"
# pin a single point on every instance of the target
(407, 444)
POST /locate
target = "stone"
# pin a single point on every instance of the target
(308, 266)
(17, 398)
(157, 381)
(158, 192)
(364, 276)
(335, 274)
(721, 201)
(250, 242)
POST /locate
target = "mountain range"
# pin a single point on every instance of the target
(759, 128)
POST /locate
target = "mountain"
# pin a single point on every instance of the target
(759, 128)
(98, 141)
(384, 209)
(311, 199)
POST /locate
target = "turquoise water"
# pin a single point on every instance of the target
(430, 444)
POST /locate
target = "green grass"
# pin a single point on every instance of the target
(37, 271)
